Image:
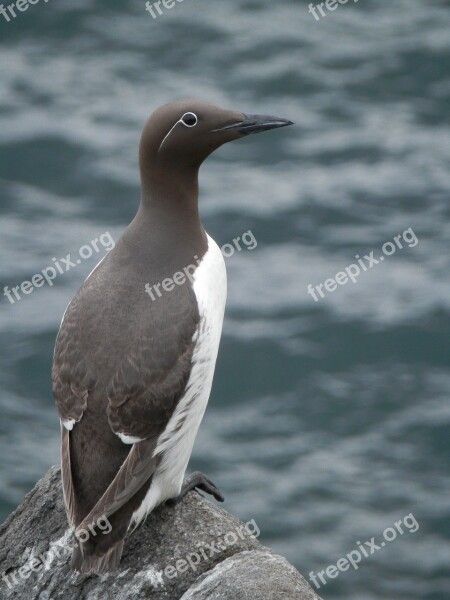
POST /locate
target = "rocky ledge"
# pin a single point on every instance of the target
(193, 551)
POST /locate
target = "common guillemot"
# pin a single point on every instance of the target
(131, 377)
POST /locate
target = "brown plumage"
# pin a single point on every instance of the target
(122, 362)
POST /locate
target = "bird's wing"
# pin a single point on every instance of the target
(71, 393)
(133, 474)
(146, 388)
(142, 371)
(140, 383)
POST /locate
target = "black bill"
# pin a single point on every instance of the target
(257, 123)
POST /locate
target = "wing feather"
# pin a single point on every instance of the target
(66, 471)
(133, 474)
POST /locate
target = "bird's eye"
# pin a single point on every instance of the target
(189, 119)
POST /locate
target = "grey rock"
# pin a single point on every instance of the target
(194, 550)
(250, 575)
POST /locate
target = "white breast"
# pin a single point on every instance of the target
(176, 442)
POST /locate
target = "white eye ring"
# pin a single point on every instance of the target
(190, 115)
(182, 121)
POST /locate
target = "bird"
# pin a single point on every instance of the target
(132, 374)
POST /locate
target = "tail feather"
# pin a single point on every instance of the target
(84, 562)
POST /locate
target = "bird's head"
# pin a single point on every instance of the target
(182, 134)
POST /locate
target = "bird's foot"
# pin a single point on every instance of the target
(197, 481)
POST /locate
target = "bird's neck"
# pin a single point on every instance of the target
(169, 208)
(167, 189)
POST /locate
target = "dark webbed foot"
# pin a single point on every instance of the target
(197, 481)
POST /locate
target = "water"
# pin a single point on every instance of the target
(329, 420)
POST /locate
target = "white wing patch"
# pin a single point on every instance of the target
(68, 424)
(129, 439)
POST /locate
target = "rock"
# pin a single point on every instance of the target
(194, 550)
(255, 574)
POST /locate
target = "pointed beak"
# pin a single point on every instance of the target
(256, 124)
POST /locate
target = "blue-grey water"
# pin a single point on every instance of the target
(329, 420)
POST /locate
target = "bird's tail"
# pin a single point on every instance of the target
(85, 560)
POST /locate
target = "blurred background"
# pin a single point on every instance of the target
(328, 421)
